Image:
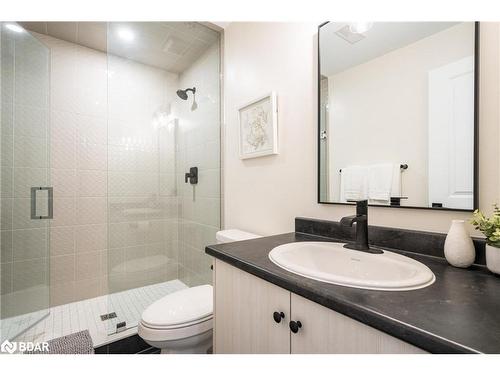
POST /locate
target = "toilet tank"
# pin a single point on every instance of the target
(231, 235)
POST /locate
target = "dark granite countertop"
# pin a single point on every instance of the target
(459, 313)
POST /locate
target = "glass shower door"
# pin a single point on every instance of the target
(158, 221)
(26, 196)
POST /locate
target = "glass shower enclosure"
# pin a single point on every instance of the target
(101, 123)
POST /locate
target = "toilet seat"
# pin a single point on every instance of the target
(177, 326)
(182, 307)
(175, 333)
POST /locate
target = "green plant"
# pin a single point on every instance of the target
(489, 226)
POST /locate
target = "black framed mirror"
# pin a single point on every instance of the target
(398, 114)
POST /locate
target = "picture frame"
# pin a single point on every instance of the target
(258, 127)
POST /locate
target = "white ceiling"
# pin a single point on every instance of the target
(172, 46)
(222, 24)
(337, 54)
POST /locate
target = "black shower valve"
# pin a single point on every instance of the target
(192, 176)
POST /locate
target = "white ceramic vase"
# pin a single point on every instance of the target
(458, 247)
(493, 259)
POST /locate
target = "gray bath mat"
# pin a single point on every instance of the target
(76, 343)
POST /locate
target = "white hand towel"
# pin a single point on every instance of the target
(380, 182)
(353, 183)
(396, 181)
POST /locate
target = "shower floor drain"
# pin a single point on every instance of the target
(111, 315)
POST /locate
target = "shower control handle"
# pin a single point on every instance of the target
(192, 176)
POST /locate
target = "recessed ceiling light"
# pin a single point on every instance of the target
(360, 27)
(126, 34)
(13, 27)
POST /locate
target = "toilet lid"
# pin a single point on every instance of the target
(184, 306)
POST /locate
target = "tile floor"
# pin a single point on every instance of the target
(86, 314)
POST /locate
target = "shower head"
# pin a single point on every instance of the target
(183, 93)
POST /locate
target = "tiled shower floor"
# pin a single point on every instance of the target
(86, 314)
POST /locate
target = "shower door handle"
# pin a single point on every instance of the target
(50, 202)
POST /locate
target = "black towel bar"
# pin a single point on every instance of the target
(401, 166)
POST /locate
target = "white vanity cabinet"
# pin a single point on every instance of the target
(246, 307)
(326, 331)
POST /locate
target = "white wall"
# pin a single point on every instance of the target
(379, 109)
(264, 195)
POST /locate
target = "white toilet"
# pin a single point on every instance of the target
(182, 322)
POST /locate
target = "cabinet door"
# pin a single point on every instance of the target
(244, 307)
(326, 331)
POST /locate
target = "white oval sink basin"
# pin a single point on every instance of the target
(330, 262)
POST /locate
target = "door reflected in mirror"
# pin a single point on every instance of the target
(398, 114)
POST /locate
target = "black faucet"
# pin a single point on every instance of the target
(361, 220)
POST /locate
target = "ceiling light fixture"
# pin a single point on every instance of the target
(360, 27)
(126, 34)
(14, 27)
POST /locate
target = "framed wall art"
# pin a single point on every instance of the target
(258, 126)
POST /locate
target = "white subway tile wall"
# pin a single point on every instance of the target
(105, 168)
(198, 145)
(138, 217)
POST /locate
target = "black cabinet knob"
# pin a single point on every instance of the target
(295, 325)
(277, 316)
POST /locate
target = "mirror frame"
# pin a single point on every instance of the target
(476, 134)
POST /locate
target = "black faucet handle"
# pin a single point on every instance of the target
(362, 207)
(361, 220)
(358, 201)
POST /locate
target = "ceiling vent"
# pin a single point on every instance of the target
(175, 45)
(346, 34)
